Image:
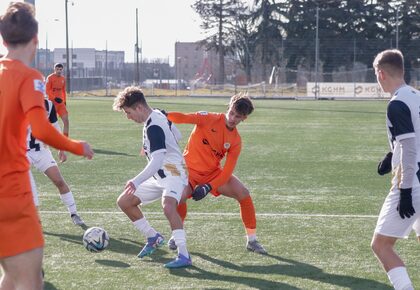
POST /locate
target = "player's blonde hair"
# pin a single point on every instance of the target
(391, 61)
(242, 104)
(129, 97)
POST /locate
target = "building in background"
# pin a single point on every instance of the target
(89, 69)
(195, 66)
(98, 69)
(92, 69)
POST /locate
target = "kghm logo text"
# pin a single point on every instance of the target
(218, 154)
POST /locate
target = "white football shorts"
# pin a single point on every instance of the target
(155, 189)
(42, 159)
(390, 222)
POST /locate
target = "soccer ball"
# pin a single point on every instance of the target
(95, 239)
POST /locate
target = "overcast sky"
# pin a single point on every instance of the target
(93, 23)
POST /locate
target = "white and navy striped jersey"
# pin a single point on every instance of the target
(33, 143)
(403, 121)
(159, 137)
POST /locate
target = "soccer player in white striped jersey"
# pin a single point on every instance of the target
(400, 212)
(164, 177)
(40, 156)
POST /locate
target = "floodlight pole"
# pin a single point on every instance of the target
(47, 54)
(68, 77)
(137, 48)
(106, 68)
(354, 67)
(316, 51)
(397, 32)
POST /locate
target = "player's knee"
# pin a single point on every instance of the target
(374, 246)
(379, 245)
(122, 202)
(169, 209)
(242, 194)
(61, 185)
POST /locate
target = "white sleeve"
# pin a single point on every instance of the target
(151, 168)
(175, 131)
(408, 162)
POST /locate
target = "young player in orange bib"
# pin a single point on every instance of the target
(213, 138)
(22, 103)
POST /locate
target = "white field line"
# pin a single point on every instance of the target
(224, 214)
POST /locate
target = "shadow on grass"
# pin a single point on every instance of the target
(49, 286)
(113, 263)
(295, 269)
(107, 152)
(201, 274)
(119, 246)
(123, 246)
(257, 283)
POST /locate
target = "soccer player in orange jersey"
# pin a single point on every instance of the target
(213, 138)
(22, 103)
(56, 91)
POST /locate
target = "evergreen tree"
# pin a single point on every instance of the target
(218, 22)
(269, 17)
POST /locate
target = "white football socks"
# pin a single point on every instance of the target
(69, 202)
(416, 227)
(251, 237)
(399, 278)
(145, 228)
(181, 242)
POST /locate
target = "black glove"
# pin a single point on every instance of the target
(385, 166)
(58, 100)
(405, 205)
(200, 191)
(162, 111)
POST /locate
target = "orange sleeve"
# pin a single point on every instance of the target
(44, 131)
(231, 159)
(31, 93)
(64, 91)
(48, 88)
(189, 118)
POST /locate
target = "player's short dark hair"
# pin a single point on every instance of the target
(18, 24)
(59, 65)
(242, 104)
(391, 61)
(129, 97)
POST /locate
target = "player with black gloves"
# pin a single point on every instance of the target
(56, 91)
(385, 166)
(215, 137)
(400, 212)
